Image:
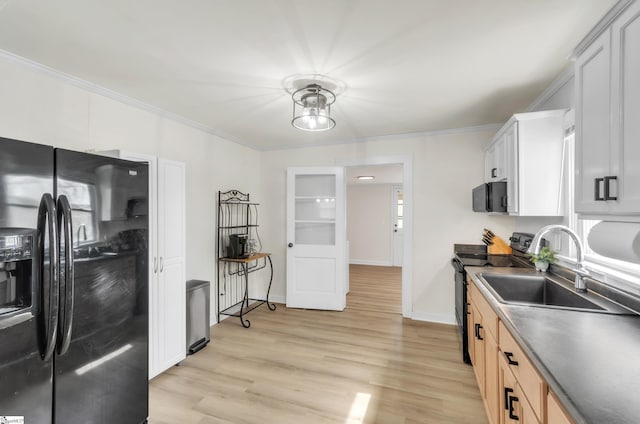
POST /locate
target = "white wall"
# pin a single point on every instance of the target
(445, 169)
(43, 108)
(47, 109)
(369, 221)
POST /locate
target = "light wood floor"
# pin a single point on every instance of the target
(375, 288)
(363, 365)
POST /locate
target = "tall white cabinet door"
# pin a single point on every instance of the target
(171, 263)
(513, 188)
(625, 42)
(316, 237)
(155, 330)
(593, 124)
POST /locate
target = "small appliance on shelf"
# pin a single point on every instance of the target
(236, 247)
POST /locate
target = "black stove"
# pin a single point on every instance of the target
(476, 255)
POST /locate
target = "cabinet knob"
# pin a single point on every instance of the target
(290, 245)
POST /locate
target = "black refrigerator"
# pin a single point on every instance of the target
(73, 286)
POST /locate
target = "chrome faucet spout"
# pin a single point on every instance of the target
(581, 271)
(82, 228)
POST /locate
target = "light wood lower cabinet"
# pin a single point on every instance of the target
(478, 347)
(491, 378)
(523, 370)
(555, 413)
(514, 406)
(512, 389)
(483, 349)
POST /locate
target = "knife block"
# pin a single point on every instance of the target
(499, 247)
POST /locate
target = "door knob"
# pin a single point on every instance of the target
(290, 244)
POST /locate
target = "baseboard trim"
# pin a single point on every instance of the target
(278, 299)
(368, 262)
(439, 318)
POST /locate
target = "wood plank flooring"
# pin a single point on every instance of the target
(363, 365)
(375, 288)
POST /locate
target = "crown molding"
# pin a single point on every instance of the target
(420, 134)
(601, 26)
(114, 95)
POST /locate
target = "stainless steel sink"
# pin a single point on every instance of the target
(539, 290)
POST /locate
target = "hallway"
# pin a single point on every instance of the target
(375, 288)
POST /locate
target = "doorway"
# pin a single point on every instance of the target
(397, 207)
(375, 230)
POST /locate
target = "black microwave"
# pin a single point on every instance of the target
(490, 197)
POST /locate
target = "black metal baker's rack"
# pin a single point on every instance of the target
(238, 215)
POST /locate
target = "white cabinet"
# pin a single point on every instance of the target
(167, 281)
(496, 161)
(168, 310)
(532, 146)
(607, 126)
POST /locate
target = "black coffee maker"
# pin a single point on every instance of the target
(237, 245)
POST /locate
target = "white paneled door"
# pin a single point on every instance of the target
(397, 206)
(316, 238)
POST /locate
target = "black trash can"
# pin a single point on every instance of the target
(198, 295)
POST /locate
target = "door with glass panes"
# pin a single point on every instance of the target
(316, 238)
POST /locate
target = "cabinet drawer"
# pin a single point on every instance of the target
(514, 408)
(532, 384)
(489, 317)
(555, 413)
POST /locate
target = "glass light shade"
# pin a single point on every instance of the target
(312, 108)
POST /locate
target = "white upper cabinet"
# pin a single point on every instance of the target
(608, 117)
(496, 161)
(530, 145)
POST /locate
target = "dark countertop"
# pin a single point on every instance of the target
(590, 360)
(106, 256)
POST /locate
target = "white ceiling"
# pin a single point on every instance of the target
(408, 65)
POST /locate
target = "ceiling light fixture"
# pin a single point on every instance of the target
(365, 177)
(312, 108)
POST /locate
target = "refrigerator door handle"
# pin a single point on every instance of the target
(161, 264)
(48, 323)
(67, 281)
(155, 264)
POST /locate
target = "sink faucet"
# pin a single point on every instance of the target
(82, 228)
(581, 271)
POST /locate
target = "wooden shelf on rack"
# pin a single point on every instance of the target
(248, 259)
